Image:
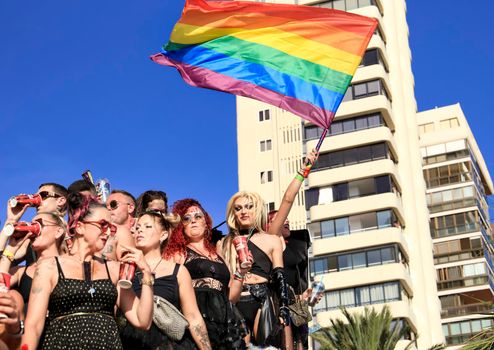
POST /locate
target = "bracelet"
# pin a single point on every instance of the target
(299, 178)
(8, 254)
(238, 276)
(147, 282)
(21, 330)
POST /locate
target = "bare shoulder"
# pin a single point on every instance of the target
(47, 263)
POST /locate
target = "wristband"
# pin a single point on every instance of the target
(21, 330)
(8, 254)
(238, 276)
(299, 178)
(147, 282)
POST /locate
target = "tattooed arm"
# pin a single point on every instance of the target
(190, 310)
(44, 280)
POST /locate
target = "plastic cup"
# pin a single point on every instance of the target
(240, 243)
(126, 275)
(317, 290)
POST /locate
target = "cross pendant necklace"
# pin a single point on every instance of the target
(87, 277)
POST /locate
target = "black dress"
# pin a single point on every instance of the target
(79, 319)
(210, 279)
(154, 339)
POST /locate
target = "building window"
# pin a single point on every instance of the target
(461, 331)
(355, 259)
(345, 5)
(345, 126)
(270, 206)
(353, 156)
(360, 296)
(365, 89)
(266, 176)
(448, 174)
(455, 224)
(264, 115)
(451, 199)
(371, 57)
(426, 128)
(265, 145)
(353, 224)
(449, 123)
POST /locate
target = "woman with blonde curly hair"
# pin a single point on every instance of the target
(246, 216)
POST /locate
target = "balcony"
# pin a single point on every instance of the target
(463, 310)
(445, 206)
(455, 230)
(459, 256)
(463, 282)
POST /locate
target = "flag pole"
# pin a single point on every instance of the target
(308, 166)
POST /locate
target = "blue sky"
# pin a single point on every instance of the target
(77, 92)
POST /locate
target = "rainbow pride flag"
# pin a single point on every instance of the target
(298, 58)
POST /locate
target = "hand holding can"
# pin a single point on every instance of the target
(126, 275)
(33, 200)
(240, 243)
(21, 229)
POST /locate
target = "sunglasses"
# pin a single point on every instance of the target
(45, 223)
(47, 194)
(103, 225)
(114, 204)
(196, 216)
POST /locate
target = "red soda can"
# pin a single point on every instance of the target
(22, 228)
(34, 200)
(240, 243)
(126, 275)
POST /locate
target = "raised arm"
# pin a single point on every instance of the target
(289, 196)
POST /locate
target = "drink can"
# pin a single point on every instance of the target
(34, 200)
(240, 243)
(88, 176)
(317, 290)
(126, 275)
(103, 189)
(4, 287)
(22, 228)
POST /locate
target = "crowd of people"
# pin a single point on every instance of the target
(64, 290)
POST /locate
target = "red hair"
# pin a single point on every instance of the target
(177, 242)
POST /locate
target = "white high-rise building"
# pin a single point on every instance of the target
(366, 201)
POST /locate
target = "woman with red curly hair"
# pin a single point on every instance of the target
(190, 244)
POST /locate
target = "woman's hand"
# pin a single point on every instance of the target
(244, 270)
(14, 214)
(311, 158)
(134, 255)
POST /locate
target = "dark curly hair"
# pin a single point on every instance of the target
(178, 241)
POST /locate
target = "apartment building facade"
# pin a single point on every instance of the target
(365, 201)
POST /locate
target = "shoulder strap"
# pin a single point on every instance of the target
(107, 271)
(59, 268)
(175, 270)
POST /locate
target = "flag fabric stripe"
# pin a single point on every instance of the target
(304, 56)
(198, 76)
(300, 47)
(189, 33)
(230, 13)
(261, 54)
(255, 74)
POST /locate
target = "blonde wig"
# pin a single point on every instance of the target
(260, 219)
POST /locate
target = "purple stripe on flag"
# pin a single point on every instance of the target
(201, 77)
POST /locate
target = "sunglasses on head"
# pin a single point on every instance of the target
(103, 225)
(197, 215)
(114, 204)
(47, 194)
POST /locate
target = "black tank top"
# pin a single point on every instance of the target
(24, 287)
(165, 286)
(206, 272)
(262, 265)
